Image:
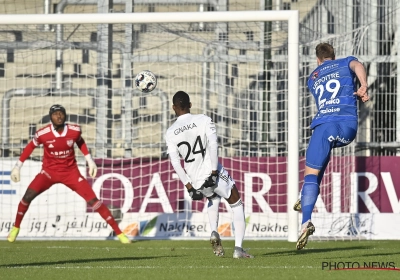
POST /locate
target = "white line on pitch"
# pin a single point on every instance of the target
(136, 248)
(159, 267)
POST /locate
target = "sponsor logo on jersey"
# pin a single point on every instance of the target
(51, 146)
(329, 110)
(333, 101)
(330, 66)
(184, 128)
(342, 140)
(330, 102)
(62, 154)
(70, 142)
(80, 179)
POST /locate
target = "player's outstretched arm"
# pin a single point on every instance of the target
(15, 172)
(361, 74)
(85, 151)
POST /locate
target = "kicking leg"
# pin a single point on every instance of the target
(297, 205)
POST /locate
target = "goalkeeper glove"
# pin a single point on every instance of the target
(210, 185)
(92, 166)
(195, 194)
(15, 176)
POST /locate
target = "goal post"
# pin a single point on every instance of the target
(291, 115)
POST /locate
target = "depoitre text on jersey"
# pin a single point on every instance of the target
(333, 85)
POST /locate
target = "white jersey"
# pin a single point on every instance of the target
(193, 138)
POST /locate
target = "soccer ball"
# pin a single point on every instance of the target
(146, 81)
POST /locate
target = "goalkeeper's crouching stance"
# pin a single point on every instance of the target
(59, 166)
(194, 138)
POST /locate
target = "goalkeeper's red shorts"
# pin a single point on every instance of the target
(71, 178)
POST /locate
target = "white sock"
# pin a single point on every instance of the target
(238, 222)
(213, 212)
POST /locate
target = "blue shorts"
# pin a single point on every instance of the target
(326, 137)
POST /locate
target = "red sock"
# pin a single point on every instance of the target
(22, 208)
(100, 208)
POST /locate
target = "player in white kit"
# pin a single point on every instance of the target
(194, 139)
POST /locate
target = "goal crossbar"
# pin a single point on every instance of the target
(174, 17)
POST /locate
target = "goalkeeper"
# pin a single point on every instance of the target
(194, 138)
(59, 166)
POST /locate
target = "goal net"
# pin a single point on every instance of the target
(240, 71)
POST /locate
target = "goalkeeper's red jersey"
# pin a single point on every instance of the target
(58, 148)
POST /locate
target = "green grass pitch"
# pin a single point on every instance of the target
(193, 259)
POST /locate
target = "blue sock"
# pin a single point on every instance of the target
(309, 196)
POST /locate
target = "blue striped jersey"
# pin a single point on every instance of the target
(333, 85)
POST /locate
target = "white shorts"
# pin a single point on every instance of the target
(225, 183)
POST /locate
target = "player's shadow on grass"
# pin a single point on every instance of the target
(81, 261)
(313, 251)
